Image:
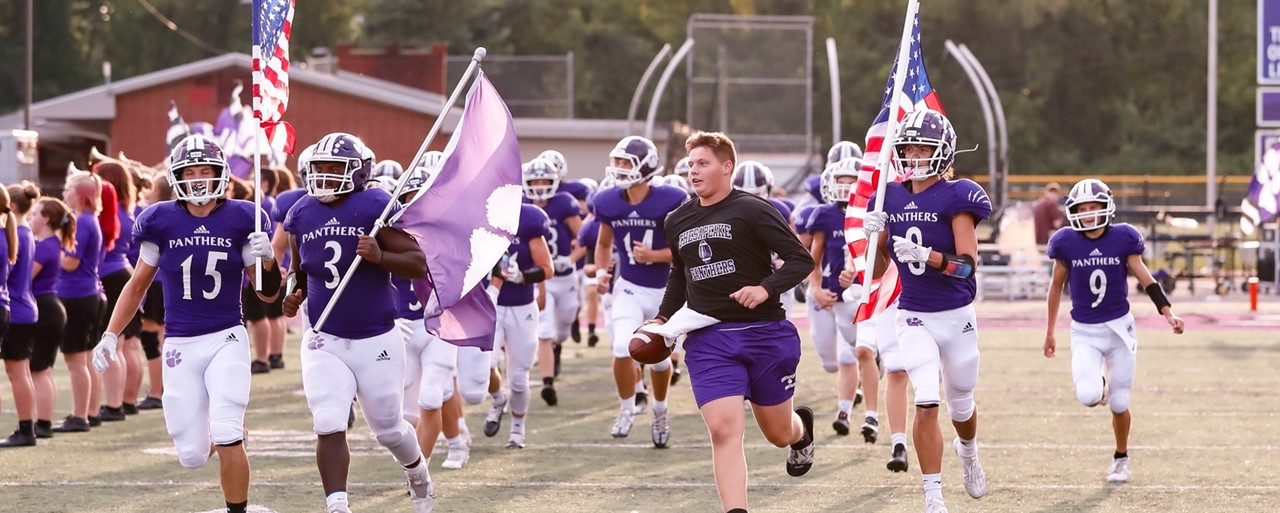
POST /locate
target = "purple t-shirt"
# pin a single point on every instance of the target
(83, 281)
(639, 223)
(559, 209)
(200, 262)
(407, 304)
(829, 221)
(925, 218)
(116, 259)
(1097, 270)
(49, 255)
(326, 236)
(533, 224)
(22, 303)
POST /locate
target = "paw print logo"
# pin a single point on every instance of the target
(914, 321)
(172, 358)
(315, 343)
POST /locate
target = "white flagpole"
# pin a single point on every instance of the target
(478, 56)
(886, 148)
(257, 145)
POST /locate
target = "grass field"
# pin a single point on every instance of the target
(1206, 407)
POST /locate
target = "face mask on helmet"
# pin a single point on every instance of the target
(839, 180)
(754, 178)
(198, 150)
(684, 167)
(1090, 191)
(932, 130)
(640, 154)
(544, 173)
(557, 162)
(340, 164)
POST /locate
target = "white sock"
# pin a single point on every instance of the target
(899, 438)
(517, 424)
(871, 414)
(969, 447)
(932, 485)
(845, 406)
(335, 498)
(499, 399)
(457, 441)
(628, 404)
(462, 425)
(659, 406)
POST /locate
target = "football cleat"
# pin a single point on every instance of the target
(493, 419)
(841, 424)
(515, 440)
(1119, 471)
(622, 424)
(870, 429)
(975, 479)
(934, 505)
(799, 461)
(422, 494)
(549, 395)
(857, 398)
(642, 402)
(458, 457)
(898, 461)
(661, 429)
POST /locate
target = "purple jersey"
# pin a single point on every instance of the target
(326, 235)
(639, 224)
(407, 304)
(22, 303)
(132, 253)
(533, 223)
(783, 207)
(1097, 270)
(201, 262)
(925, 218)
(829, 221)
(279, 209)
(575, 189)
(49, 256)
(588, 234)
(560, 240)
(800, 219)
(83, 281)
(118, 257)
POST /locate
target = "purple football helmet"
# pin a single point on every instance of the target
(346, 149)
(925, 127)
(641, 153)
(198, 150)
(843, 150)
(1090, 190)
(540, 169)
(753, 178)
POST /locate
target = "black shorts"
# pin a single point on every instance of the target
(17, 343)
(49, 331)
(275, 309)
(251, 305)
(114, 284)
(153, 304)
(84, 320)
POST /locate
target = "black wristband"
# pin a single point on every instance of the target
(1157, 296)
(957, 266)
(535, 275)
(271, 280)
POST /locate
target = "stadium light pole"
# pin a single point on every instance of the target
(662, 84)
(986, 114)
(26, 108)
(1211, 139)
(644, 80)
(997, 108)
(833, 67)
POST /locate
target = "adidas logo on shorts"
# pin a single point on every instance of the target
(1095, 253)
(202, 230)
(384, 357)
(910, 206)
(231, 337)
(333, 221)
(968, 326)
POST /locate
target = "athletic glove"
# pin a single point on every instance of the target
(874, 223)
(106, 349)
(260, 246)
(909, 252)
(562, 264)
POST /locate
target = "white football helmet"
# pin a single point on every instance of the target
(1090, 190)
(540, 169)
(683, 168)
(387, 167)
(557, 160)
(833, 190)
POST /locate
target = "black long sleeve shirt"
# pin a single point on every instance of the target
(721, 248)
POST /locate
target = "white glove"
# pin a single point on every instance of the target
(874, 223)
(106, 349)
(562, 264)
(260, 246)
(909, 252)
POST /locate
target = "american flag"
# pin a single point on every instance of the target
(272, 23)
(915, 93)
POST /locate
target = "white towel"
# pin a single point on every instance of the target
(682, 322)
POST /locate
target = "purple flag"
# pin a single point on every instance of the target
(466, 220)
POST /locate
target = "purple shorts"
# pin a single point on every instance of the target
(756, 360)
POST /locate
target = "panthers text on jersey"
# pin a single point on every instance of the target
(1097, 270)
(642, 223)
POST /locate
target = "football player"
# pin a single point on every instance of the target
(631, 215)
(201, 244)
(541, 180)
(1096, 257)
(358, 351)
(927, 229)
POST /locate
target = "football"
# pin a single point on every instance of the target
(648, 348)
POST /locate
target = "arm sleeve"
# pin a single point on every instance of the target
(797, 263)
(675, 295)
(149, 253)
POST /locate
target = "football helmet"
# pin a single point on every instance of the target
(557, 161)
(925, 127)
(198, 150)
(683, 168)
(643, 156)
(1090, 190)
(592, 185)
(843, 150)
(540, 169)
(389, 168)
(346, 149)
(833, 191)
(304, 159)
(679, 182)
(753, 177)
(385, 183)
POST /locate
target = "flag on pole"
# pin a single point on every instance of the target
(177, 128)
(466, 219)
(272, 23)
(914, 93)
